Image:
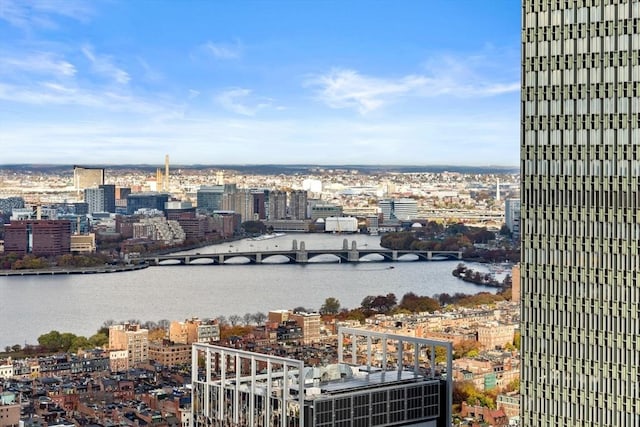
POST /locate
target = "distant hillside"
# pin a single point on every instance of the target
(276, 169)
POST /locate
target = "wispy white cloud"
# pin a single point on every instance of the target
(241, 101)
(350, 89)
(28, 14)
(346, 88)
(104, 66)
(223, 50)
(150, 74)
(54, 93)
(45, 63)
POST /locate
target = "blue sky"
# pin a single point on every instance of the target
(420, 82)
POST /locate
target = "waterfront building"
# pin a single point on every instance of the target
(298, 205)
(259, 200)
(373, 222)
(386, 209)
(226, 223)
(38, 237)
(398, 209)
(277, 205)
(83, 243)
(132, 338)
(324, 210)
(288, 225)
(379, 380)
(405, 209)
(242, 204)
(580, 166)
(157, 228)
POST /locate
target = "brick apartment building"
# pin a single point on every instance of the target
(38, 237)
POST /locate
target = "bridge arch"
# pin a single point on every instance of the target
(329, 257)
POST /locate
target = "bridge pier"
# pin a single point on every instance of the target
(258, 258)
(459, 254)
(429, 256)
(394, 255)
(220, 259)
(187, 260)
(302, 256)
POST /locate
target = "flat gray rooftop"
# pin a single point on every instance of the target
(374, 379)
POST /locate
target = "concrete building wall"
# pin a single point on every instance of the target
(580, 173)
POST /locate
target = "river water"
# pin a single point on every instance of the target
(33, 305)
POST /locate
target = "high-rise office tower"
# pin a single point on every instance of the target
(580, 164)
(109, 191)
(86, 177)
(94, 198)
(209, 198)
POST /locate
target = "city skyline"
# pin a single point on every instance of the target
(322, 83)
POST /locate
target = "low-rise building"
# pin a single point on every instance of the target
(194, 330)
(6, 368)
(495, 335)
(509, 403)
(118, 360)
(167, 353)
(9, 410)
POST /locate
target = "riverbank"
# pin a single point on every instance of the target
(83, 270)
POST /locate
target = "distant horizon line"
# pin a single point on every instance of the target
(365, 165)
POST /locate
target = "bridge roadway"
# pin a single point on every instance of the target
(300, 256)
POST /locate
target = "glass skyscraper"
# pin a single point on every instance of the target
(580, 164)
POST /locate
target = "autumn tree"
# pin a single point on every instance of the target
(417, 304)
(234, 320)
(331, 306)
(259, 318)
